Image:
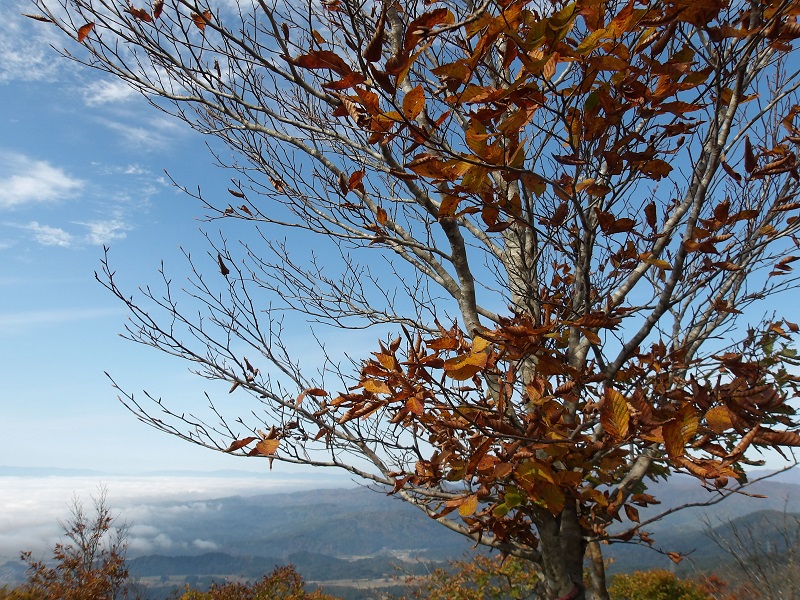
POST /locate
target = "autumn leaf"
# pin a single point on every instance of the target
(719, 419)
(200, 20)
(372, 53)
(465, 366)
(222, 268)
(468, 506)
(382, 216)
(84, 31)
(632, 513)
(675, 557)
(416, 406)
(237, 444)
(139, 14)
(158, 8)
(413, 102)
(674, 442)
(267, 447)
(614, 414)
(749, 157)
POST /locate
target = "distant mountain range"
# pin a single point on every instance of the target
(360, 533)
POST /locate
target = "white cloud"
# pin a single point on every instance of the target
(107, 91)
(32, 506)
(205, 544)
(49, 236)
(25, 47)
(103, 232)
(158, 134)
(24, 180)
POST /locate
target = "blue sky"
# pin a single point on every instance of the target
(82, 164)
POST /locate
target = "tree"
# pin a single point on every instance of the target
(656, 585)
(483, 578)
(765, 550)
(581, 209)
(89, 566)
(284, 583)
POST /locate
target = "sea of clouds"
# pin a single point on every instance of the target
(33, 506)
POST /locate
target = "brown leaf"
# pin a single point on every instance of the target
(382, 216)
(463, 367)
(139, 14)
(632, 513)
(650, 215)
(84, 31)
(719, 419)
(355, 180)
(200, 20)
(323, 59)
(675, 557)
(673, 438)
(372, 53)
(749, 157)
(222, 268)
(158, 8)
(416, 406)
(235, 193)
(237, 444)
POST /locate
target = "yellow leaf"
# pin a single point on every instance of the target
(614, 414)
(657, 262)
(376, 387)
(267, 447)
(719, 419)
(673, 438)
(468, 506)
(479, 344)
(464, 367)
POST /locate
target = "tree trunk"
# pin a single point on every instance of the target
(596, 572)
(563, 549)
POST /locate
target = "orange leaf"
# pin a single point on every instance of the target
(240, 444)
(413, 102)
(382, 216)
(140, 14)
(83, 32)
(200, 20)
(416, 406)
(719, 419)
